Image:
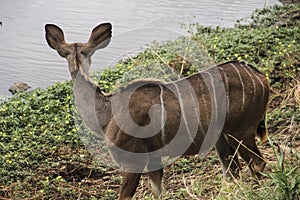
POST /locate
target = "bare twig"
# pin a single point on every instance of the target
(193, 196)
(241, 143)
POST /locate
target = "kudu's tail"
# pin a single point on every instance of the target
(262, 131)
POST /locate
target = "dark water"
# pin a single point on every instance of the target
(25, 56)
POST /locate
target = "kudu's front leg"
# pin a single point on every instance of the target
(156, 183)
(156, 173)
(129, 185)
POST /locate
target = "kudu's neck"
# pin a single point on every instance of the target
(93, 105)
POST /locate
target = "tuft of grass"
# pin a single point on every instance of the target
(285, 175)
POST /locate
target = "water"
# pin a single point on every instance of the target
(25, 56)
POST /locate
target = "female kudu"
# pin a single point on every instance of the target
(223, 106)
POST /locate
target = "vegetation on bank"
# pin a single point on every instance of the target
(42, 149)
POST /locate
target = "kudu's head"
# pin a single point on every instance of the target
(78, 54)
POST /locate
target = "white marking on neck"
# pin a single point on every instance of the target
(242, 84)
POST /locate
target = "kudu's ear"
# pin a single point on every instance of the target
(54, 36)
(100, 38)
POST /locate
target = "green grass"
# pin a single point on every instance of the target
(42, 139)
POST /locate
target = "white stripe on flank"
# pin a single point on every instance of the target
(242, 84)
(205, 105)
(261, 83)
(163, 119)
(183, 112)
(226, 90)
(253, 81)
(214, 94)
(196, 108)
(202, 105)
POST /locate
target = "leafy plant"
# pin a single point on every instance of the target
(168, 61)
(286, 177)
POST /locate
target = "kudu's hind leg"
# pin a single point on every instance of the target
(253, 157)
(155, 168)
(129, 185)
(132, 170)
(228, 157)
(249, 151)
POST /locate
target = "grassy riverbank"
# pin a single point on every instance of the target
(42, 149)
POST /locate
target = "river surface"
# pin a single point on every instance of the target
(25, 56)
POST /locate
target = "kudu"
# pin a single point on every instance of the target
(181, 112)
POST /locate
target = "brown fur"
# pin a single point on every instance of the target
(245, 110)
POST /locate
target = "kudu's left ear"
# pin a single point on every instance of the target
(54, 36)
(100, 38)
